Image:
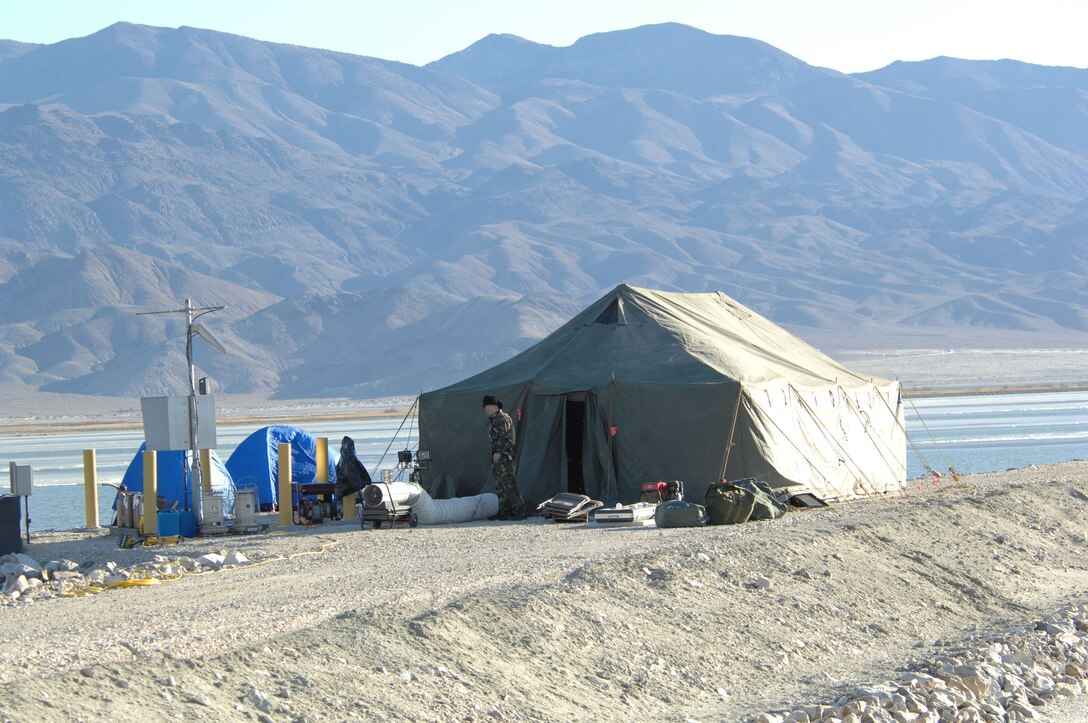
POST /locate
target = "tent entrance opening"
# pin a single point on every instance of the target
(574, 434)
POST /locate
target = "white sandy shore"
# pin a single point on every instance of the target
(541, 621)
(919, 367)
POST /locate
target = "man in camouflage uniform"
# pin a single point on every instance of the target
(502, 435)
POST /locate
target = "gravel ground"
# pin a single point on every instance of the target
(541, 621)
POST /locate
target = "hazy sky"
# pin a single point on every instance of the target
(847, 35)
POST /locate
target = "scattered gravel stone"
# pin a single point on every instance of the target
(256, 699)
(1007, 676)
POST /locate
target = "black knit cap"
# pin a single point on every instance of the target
(488, 399)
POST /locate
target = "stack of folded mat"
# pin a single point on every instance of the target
(568, 507)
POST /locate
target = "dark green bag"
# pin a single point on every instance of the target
(677, 513)
(766, 506)
(728, 504)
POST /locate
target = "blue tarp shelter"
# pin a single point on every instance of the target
(255, 462)
(171, 477)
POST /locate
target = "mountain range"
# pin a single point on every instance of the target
(378, 228)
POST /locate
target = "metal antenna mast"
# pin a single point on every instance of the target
(192, 326)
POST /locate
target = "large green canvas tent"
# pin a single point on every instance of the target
(647, 385)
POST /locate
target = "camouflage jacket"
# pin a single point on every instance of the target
(503, 437)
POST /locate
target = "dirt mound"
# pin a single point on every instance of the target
(544, 621)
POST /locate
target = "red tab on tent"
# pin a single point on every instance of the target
(612, 431)
(518, 410)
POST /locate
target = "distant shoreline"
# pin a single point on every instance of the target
(24, 428)
(963, 391)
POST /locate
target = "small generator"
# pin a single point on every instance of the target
(657, 492)
(321, 506)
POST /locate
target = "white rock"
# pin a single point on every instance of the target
(212, 559)
(920, 679)
(879, 696)
(1022, 711)
(1067, 689)
(65, 565)
(258, 700)
(855, 706)
(13, 569)
(235, 558)
(16, 583)
(69, 574)
(20, 559)
(941, 699)
(760, 583)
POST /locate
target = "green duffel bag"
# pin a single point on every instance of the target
(677, 513)
(767, 507)
(728, 504)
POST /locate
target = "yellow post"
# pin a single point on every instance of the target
(90, 487)
(151, 493)
(349, 506)
(322, 460)
(285, 496)
(206, 469)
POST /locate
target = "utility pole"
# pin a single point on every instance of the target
(192, 326)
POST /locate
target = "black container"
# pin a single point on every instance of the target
(11, 539)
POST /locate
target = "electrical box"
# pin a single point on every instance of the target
(166, 422)
(245, 509)
(212, 511)
(22, 479)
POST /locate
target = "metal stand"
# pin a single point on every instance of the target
(394, 515)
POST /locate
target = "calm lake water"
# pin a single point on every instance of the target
(971, 433)
(996, 432)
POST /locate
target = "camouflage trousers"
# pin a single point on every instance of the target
(506, 484)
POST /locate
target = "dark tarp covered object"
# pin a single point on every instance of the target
(646, 385)
(351, 474)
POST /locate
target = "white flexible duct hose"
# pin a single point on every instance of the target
(430, 511)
